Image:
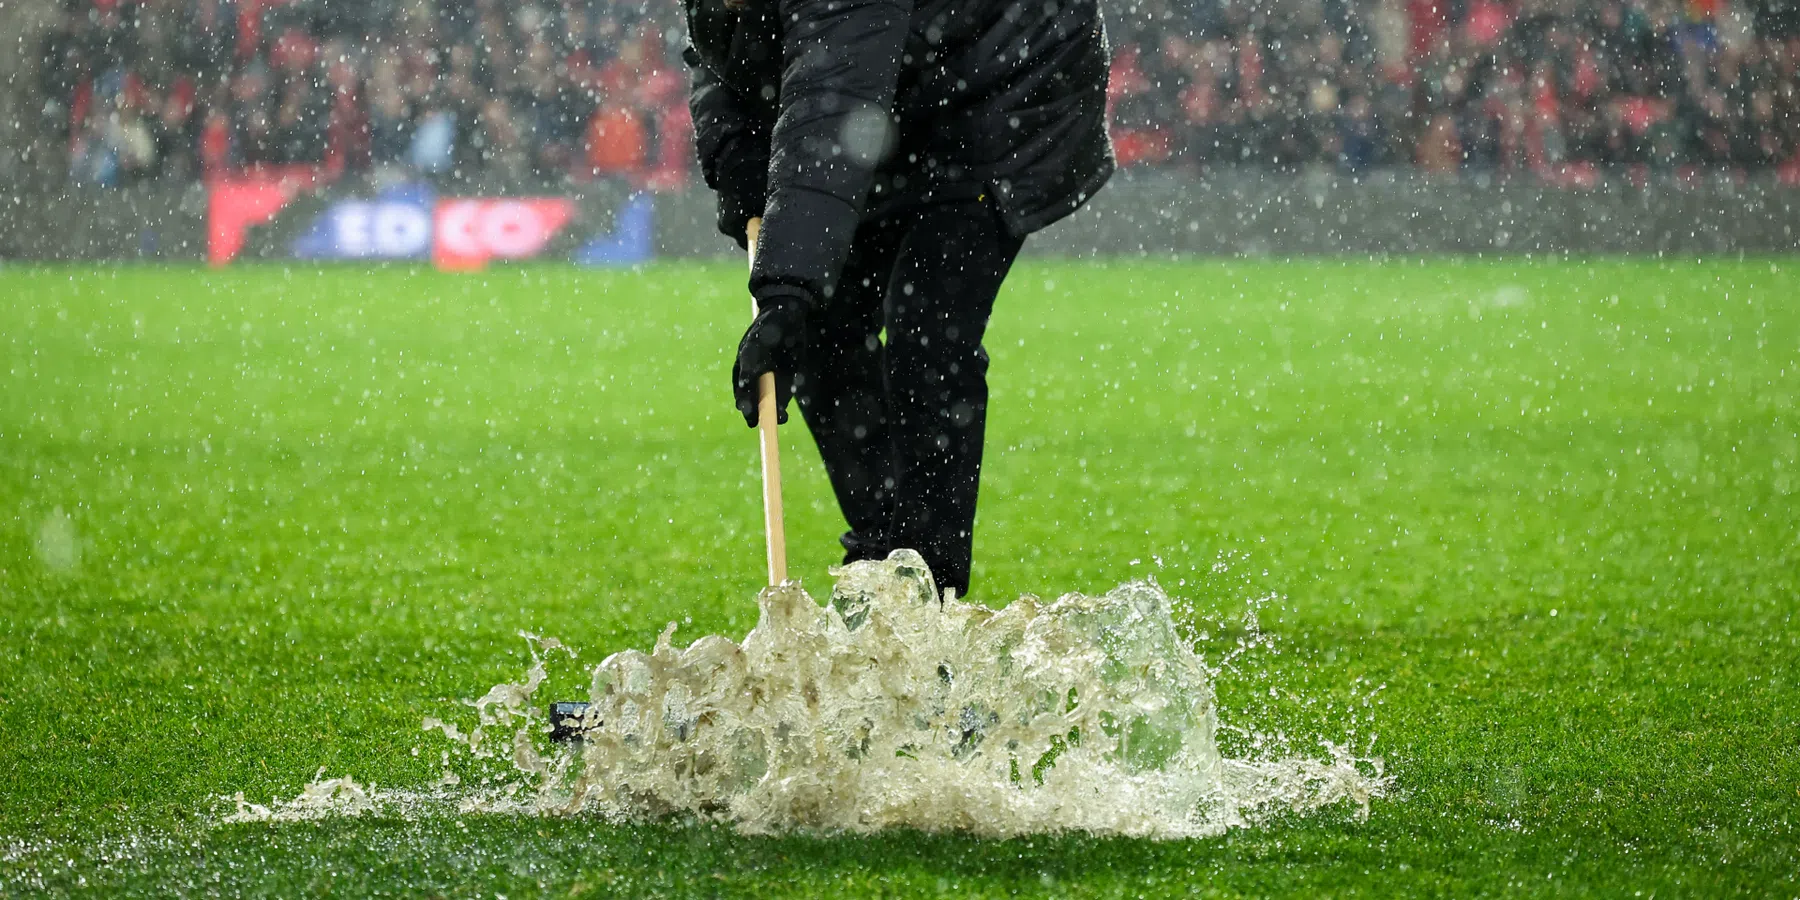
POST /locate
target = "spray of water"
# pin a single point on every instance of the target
(887, 707)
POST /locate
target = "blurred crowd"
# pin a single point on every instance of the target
(491, 89)
(1554, 87)
(545, 90)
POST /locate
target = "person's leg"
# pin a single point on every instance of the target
(948, 271)
(843, 396)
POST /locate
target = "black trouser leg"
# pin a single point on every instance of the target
(844, 396)
(901, 427)
(948, 272)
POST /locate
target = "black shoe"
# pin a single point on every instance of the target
(859, 547)
(568, 721)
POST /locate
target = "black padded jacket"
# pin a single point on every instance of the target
(815, 114)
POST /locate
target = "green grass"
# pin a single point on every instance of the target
(1553, 506)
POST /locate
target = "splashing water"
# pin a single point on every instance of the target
(889, 707)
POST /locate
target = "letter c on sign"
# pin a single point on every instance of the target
(456, 222)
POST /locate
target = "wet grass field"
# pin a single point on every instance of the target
(260, 521)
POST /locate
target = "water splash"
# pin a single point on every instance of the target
(888, 707)
(323, 797)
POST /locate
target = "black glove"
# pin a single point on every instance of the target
(775, 342)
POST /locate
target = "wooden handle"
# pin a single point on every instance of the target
(773, 530)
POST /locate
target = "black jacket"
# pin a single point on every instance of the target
(817, 113)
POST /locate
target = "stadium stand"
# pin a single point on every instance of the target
(1560, 91)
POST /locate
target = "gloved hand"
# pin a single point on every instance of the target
(775, 342)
